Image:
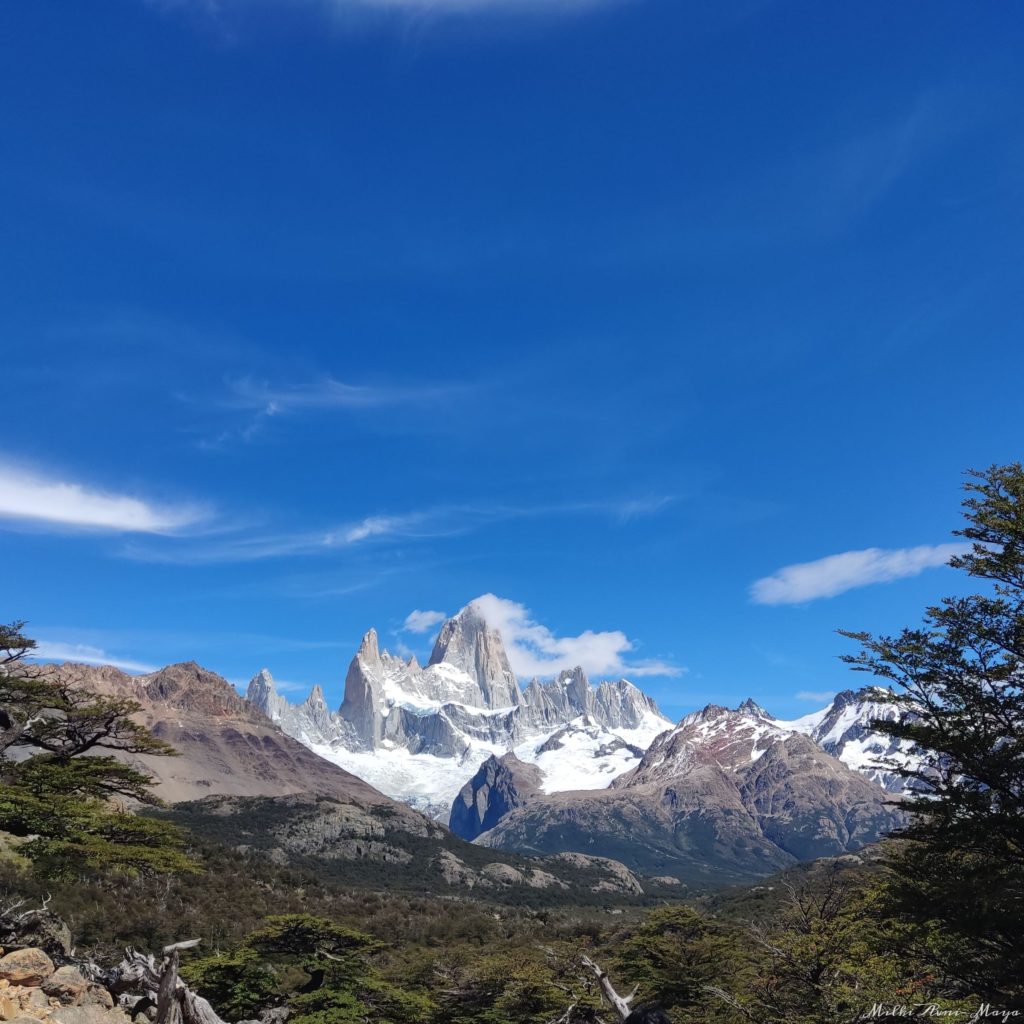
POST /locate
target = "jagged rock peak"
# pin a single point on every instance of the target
(260, 684)
(262, 694)
(706, 713)
(369, 649)
(576, 682)
(751, 707)
(866, 694)
(466, 642)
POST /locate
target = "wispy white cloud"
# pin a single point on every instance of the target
(817, 696)
(262, 401)
(636, 508)
(423, 524)
(31, 497)
(325, 392)
(86, 654)
(217, 8)
(260, 546)
(534, 650)
(373, 526)
(835, 574)
(422, 621)
(456, 6)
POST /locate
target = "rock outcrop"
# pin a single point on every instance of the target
(500, 785)
(33, 990)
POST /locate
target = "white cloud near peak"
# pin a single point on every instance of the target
(835, 574)
(534, 650)
(422, 621)
(30, 497)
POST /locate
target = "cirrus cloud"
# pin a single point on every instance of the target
(835, 574)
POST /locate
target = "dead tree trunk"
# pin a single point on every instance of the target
(620, 1004)
(175, 1002)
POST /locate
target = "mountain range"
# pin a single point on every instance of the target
(726, 794)
(556, 769)
(240, 780)
(417, 733)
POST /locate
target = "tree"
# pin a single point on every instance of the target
(958, 877)
(673, 956)
(59, 786)
(321, 970)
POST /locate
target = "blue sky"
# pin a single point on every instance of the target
(318, 314)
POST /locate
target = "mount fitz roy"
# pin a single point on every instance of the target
(417, 733)
(461, 740)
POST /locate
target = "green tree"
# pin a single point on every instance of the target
(958, 878)
(321, 970)
(527, 985)
(673, 957)
(62, 783)
(825, 957)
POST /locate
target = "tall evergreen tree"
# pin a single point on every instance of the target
(64, 779)
(959, 875)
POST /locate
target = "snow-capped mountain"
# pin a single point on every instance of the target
(713, 758)
(843, 729)
(726, 793)
(417, 733)
(733, 739)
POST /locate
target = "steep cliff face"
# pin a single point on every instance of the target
(614, 705)
(468, 644)
(500, 785)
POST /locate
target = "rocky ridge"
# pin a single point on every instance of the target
(226, 745)
(362, 846)
(500, 785)
(843, 729)
(727, 794)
